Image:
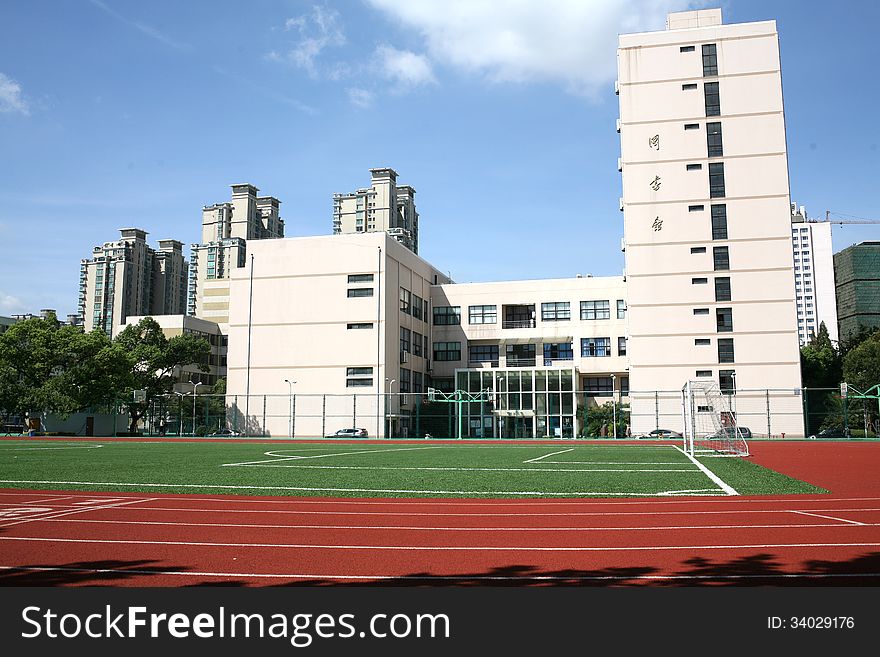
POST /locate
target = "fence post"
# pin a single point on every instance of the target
(418, 404)
(293, 416)
(767, 393)
(323, 416)
(264, 415)
(235, 413)
(354, 410)
(806, 413)
(656, 410)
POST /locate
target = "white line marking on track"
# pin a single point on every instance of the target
(440, 548)
(342, 490)
(445, 529)
(540, 578)
(805, 513)
(539, 458)
(715, 478)
(56, 513)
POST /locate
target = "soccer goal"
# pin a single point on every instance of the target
(710, 427)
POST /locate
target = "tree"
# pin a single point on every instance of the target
(820, 361)
(49, 368)
(154, 361)
(861, 365)
(603, 416)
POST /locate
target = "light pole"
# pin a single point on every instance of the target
(388, 406)
(290, 399)
(195, 392)
(614, 405)
(180, 396)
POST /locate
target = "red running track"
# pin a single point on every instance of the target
(62, 538)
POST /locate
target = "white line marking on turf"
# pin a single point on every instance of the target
(268, 464)
(534, 460)
(564, 578)
(436, 548)
(715, 478)
(805, 513)
(444, 529)
(29, 449)
(291, 457)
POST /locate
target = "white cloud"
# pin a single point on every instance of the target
(571, 42)
(143, 28)
(316, 32)
(406, 69)
(9, 303)
(361, 98)
(11, 99)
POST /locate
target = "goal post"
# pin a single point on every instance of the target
(459, 397)
(710, 427)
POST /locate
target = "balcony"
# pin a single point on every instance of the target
(518, 323)
(520, 362)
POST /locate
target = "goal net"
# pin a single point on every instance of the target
(710, 427)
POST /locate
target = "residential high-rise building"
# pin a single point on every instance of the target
(128, 277)
(384, 206)
(706, 211)
(813, 275)
(226, 228)
(857, 277)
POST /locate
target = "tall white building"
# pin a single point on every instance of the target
(706, 210)
(226, 229)
(813, 275)
(384, 206)
(128, 277)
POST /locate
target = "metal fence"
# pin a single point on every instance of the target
(768, 413)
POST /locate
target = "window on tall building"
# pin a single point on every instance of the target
(713, 99)
(701, 311)
(598, 384)
(691, 126)
(359, 292)
(358, 377)
(726, 380)
(416, 307)
(699, 281)
(693, 167)
(722, 288)
(360, 278)
(483, 353)
(698, 249)
(696, 208)
(710, 60)
(416, 343)
(714, 140)
(405, 340)
(689, 86)
(447, 315)
(721, 258)
(405, 301)
(719, 222)
(447, 351)
(704, 374)
(724, 320)
(556, 311)
(405, 380)
(686, 49)
(701, 342)
(482, 314)
(725, 350)
(595, 309)
(716, 180)
(595, 347)
(359, 325)
(621, 309)
(557, 351)
(621, 346)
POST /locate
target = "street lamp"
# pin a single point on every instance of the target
(180, 396)
(613, 405)
(195, 392)
(290, 399)
(387, 408)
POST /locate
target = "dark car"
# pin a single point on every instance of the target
(660, 433)
(350, 433)
(830, 432)
(225, 433)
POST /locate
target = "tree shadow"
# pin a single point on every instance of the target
(89, 573)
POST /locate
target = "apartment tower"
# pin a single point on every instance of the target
(813, 275)
(384, 206)
(226, 229)
(707, 216)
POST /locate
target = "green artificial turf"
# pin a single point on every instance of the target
(379, 469)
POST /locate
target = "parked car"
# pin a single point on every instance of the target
(727, 432)
(350, 433)
(225, 433)
(660, 433)
(831, 432)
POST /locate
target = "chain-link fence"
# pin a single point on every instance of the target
(768, 413)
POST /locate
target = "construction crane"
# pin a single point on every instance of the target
(851, 219)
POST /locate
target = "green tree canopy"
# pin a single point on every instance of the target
(861, 365)
(820, 361)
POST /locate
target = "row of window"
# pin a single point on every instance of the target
(553, 311)
(489, 353)
(413, 305)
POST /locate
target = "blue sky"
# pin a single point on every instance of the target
(117, 113)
